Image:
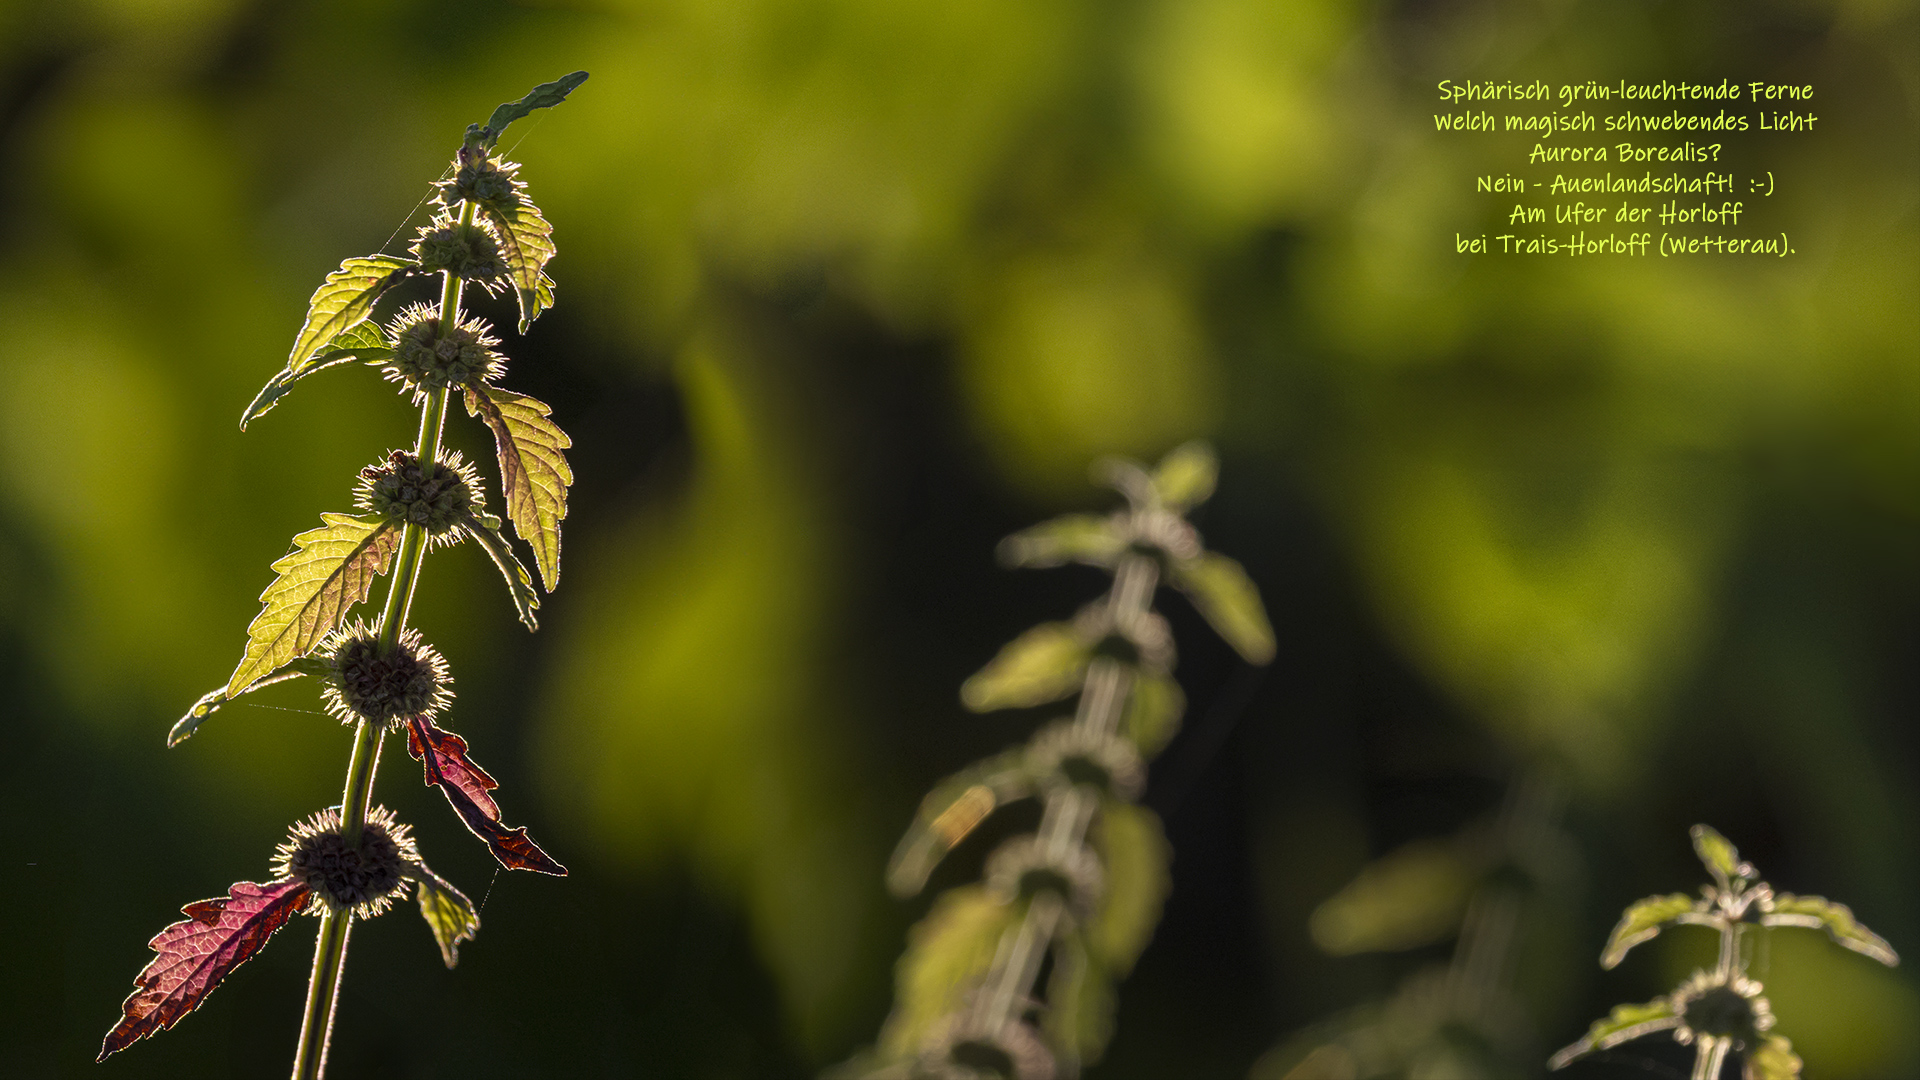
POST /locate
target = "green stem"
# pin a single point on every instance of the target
(330, 950)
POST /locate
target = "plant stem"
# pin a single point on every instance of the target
(330, 950)
(1069, 812)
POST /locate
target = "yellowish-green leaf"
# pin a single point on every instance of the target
(1044, 664)
(344, 299)
(534, 473)
(1186, 476)
(1413, 896)
(950, 812)
(1080, 1006)
(948, 953)
(329, 570)
(364, 341)
(449, 914)
(526, 243)
(1624, 1023)
(1086, 538)
(1722, 859)
(1819, 913)
(519, 583)
(1153, 712)
(1640, 922)
(1135, 853)
(1775, 1060)
(1226, 596)
(211, 701)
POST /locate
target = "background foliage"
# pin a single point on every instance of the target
(849, 290)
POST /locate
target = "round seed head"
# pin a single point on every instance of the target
(363, 879)
(443, 500)
(1021, 868)
(1724, 1008)
(425, 360)
(363, 682)
(470, 251)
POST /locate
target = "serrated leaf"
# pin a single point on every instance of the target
(449, 914)
(1044, 664)
(194, 955)
(364, 341)
(1153, 712)
(1624, 1023)
(443, 756)
(950, 812)
(1775, 1060)
(1413, 896)
(948, 952)
(1186, 476)
(526, 243)
(329, 570)
(1820, 913)
(1719, 855)
(1134, 851)
(486, 533)
(534, 474)
(344, 299)
(1226, 596)
(211, 701)
(1086, 538)
(544, 96)
(1640, 922)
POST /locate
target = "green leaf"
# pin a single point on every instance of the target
(950, 812)
(1640, 922)
(364, 341)
(1722, 859)
(449, 914)
(211, 701)
(1153, 712)
(1819, 913)
(1775, 1060)
(1087, 538)
(1080, 1006)
(526, 243)
(486, 533)
(1624, 1023)
(344, 299)
(1227, 598)
(1413, 896)
(544, 96)
(1186, 476)
(329, 570)
(1134, 851)
(1044, 664)
(948, 953)
(534, 473)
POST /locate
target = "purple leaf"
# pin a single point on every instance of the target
(195, 954)
(466, 786)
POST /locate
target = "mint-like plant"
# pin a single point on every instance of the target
(1721, 1011)
(352, 861)
(1087, 887)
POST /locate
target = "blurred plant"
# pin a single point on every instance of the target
(353, 860)
(1722, 1011)
(1088, 885)
(1460, 1020)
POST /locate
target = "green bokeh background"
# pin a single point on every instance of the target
(848, 289)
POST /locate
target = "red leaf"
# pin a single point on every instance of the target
(465, 784)
(217, 936)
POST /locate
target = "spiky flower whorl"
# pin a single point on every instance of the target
(364, 682)
(1022, 867)
(484, 180)
(363, 879)
(424, 359)
(443, 500)
(470, 251)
